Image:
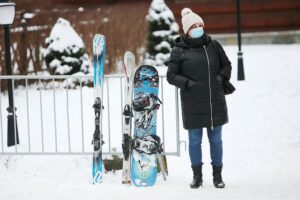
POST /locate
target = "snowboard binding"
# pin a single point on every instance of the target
(146, 102)
(144, 105)
(148, 145)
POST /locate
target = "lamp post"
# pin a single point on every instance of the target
(7, 14)
(241, 74)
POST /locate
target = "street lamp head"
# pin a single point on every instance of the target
(7, 12)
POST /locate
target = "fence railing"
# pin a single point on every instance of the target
(56, 119)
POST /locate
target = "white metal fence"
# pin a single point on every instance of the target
(53, 119)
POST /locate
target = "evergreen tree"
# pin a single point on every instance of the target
(163, 29)
(65, 52)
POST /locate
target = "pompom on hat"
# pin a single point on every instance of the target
(189, 18)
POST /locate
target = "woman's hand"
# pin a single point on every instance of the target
(220, 78)
(190, 84)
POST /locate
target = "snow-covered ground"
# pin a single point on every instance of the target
(261, 145)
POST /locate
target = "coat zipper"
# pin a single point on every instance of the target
(209, 83)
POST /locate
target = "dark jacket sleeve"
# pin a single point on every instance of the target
(173, 74)
(225, 62)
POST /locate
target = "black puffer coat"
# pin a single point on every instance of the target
(198, 67)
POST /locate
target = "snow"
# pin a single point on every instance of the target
(55, 63)
(70, 59)
(86, 65)
(29, 28)
(30, 66)
(174, 28)
(159, 10)
(261, 142)
(65, 41)
(162, 33)
(105, 20)
(160, 58)
(69, 39)
(28, 15)
(162, 45)
(63, 69)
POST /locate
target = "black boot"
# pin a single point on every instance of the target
(197, 178)
(217, 174)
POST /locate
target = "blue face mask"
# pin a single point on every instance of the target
(197, 32)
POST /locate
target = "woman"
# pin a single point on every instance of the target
(198, 66)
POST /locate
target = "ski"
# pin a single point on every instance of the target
(128, 67)
(99, 48)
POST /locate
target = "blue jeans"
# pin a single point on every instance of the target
(216, 146)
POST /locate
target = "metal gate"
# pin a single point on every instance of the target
(55, 115)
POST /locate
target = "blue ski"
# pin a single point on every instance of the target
(99, 48)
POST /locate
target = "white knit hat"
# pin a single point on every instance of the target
(189, 18)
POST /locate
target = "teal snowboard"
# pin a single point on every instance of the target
(145, 105)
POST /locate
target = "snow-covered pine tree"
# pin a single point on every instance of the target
(163, 29)
(65, 52)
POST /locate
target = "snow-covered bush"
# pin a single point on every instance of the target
(65, 52)
(163, 29)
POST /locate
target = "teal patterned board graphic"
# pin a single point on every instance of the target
(143, 165)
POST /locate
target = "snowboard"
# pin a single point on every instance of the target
(145, 104)
(99, 48)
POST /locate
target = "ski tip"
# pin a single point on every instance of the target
(129, 63)
(129, 58)
(129, 54)
(99, 44)
(99, 35)
(99, 39)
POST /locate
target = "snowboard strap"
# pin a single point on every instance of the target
(156, 98)
(157, 101)
(148, 145)
(146, 102)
